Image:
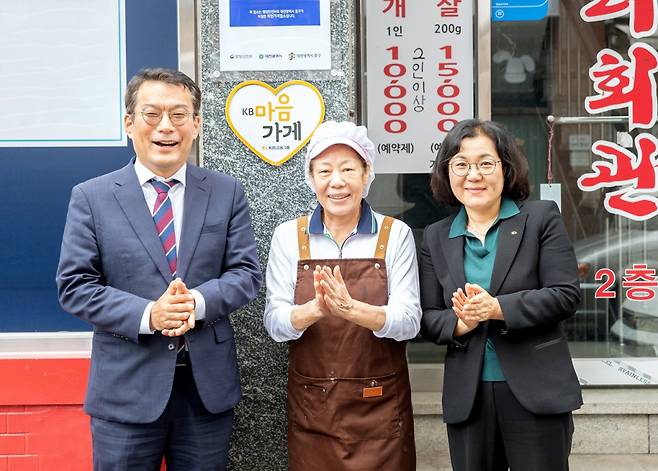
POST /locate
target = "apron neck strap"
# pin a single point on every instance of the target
(382, 241)
(302, 238)
(305, 247)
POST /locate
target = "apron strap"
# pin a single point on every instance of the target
(302, 238)
(382, 241)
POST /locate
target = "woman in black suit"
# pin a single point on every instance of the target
(497, 279)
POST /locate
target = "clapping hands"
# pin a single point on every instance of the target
(333, 291)
(332, 298)
(473, 305)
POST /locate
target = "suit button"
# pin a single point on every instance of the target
(171, 346)
(503, 332)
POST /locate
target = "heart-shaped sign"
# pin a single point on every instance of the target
(274, 122)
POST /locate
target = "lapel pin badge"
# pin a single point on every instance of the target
(513, 232)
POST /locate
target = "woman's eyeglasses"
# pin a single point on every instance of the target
(485, 167)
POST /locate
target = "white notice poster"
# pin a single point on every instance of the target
(62, 74)
(420, 62)
(274, 35)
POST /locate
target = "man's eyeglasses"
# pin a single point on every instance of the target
(485, 167)
(177, 118)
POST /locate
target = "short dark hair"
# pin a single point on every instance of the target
(170, 76)
(515, 164)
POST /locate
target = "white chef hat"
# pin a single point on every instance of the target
(331, 133)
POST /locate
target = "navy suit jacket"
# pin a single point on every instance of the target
(535, 279)
(112, 265)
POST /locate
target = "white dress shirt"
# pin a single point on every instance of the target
(177, 198)
(403, 311)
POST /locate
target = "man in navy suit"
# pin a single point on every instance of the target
(156, 256)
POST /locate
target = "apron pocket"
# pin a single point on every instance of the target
(349, 409)
(368, 408)
(308, 403)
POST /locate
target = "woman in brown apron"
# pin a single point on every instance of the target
(342, 288)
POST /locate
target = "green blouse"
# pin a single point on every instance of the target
(478, 265)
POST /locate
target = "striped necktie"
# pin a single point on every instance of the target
(163, 216)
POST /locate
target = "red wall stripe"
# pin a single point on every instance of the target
(43, 381)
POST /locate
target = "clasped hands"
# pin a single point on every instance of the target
(173, 313)
(331, 298)
(473, 305)
(331, 293)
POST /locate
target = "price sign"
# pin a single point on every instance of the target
(419, 78)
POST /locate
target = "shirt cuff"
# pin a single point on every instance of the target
(385, 330)
(145, 325)
(290, 332)
(199, 305)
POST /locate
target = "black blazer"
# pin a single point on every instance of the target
(535, 279)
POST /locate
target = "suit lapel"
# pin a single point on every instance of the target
(131, 199)
(453, 252)
(197, 194)
(510, 234)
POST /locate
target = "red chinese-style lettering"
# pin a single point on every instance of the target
(449, 8)
(626, 84)
(640, 282)
(400, 7)
(643, 20)
(636, 174)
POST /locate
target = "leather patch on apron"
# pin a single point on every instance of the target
(376, 391)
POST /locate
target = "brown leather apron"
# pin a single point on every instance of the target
(349, 400)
